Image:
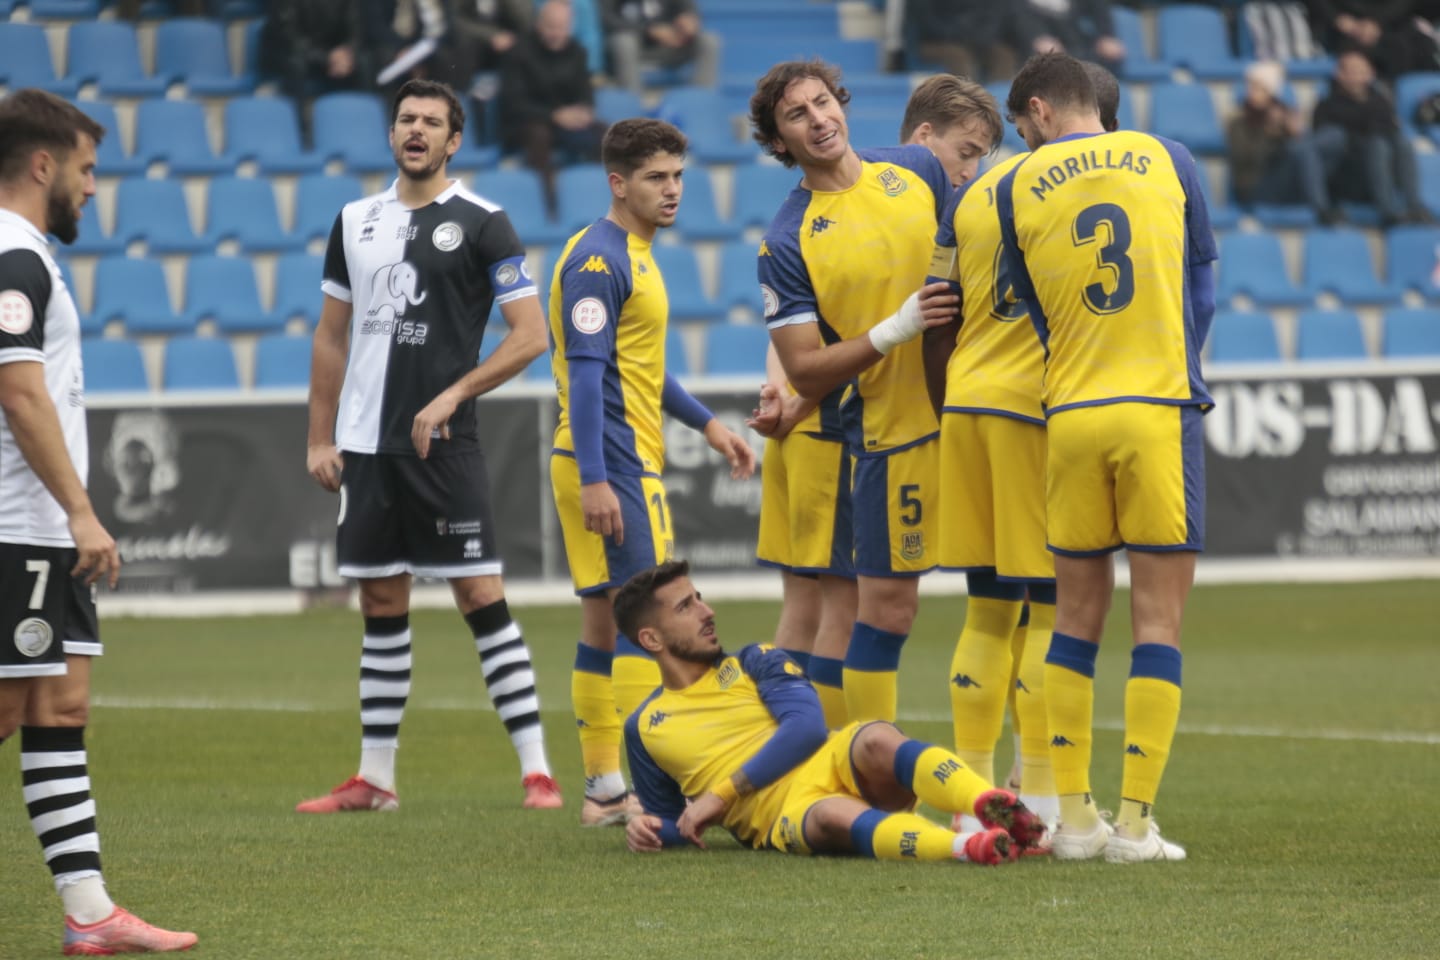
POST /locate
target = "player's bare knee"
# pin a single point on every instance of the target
(385, 597)
(873, 750)
(889, 603)
(474, 593)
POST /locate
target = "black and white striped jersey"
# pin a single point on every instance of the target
(38, 322)
(421, 284)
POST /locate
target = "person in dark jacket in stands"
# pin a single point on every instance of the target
(1273, 159)
(1395, 35)
(315, 47)
(666, 33)
(546, 99)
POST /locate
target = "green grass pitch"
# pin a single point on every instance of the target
(1305, 781)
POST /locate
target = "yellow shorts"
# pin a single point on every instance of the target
(1126, 475)
(992, 496)
(894, 497)
(828, 773)
(805, 523)
(598, 563)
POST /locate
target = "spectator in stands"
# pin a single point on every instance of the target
(546, 99)
(1272, 158)
(1365, 154)
(1393, 34)
(968, 38)
(484, 31)
(1081, 28)
(664, 32)
(315, 47)
(413, 40)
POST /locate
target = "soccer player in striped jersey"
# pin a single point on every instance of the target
(608, 319)
(409, 278)
(53, 549)
(1108, 241)
(770, 773)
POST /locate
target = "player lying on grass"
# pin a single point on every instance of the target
(743, 737)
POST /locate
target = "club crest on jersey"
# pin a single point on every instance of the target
(373, 213)
(892, 182)
(16, 313)
(912, 545)
(771, 300)
(588, 315)
(33, 636)
(506, 275)
(729, 672)
(447, 236)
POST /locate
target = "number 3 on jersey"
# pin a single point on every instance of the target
(1110, 256)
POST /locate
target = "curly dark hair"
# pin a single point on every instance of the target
(770, 89)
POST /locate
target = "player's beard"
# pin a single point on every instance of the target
(428, 171)
(61, 218)
(689, 653)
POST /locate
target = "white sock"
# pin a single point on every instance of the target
(531, 751)
(607, 786)
(85, 899)
(377, 766)
(958, 846)
(1044, 806)
(969, 824)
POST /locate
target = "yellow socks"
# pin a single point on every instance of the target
(938, 777)
(900, 836)
(1069, 711)
(1152, 711)
(980, 679)
(871, 664)
(1036, 778)
(827, 675)
(594, 703)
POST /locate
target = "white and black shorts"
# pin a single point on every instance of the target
(401, 514)
(44, 612)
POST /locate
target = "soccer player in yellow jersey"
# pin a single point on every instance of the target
(1108, 240)
(608, 316)
(769, 772)
(839, 267)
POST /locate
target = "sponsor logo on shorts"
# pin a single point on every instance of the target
(912, 545)
(447, 236)
(461, 528)
(474, 548)
(33, 636)
(16, 312)
(588, 315)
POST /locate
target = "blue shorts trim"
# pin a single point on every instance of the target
(888, 451)
(1082, 554)
(993, 412)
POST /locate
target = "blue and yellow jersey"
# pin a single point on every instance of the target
(754, 710)
(847, 259)
(608, 302)
(998, 366)
(1101, 231)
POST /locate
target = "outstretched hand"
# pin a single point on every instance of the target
(733, 447)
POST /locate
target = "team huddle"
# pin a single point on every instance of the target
(992, 373)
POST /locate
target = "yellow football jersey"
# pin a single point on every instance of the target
(1101, 231)
(608, 302)
(682, 743)
(847, 259)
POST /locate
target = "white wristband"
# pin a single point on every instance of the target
(900, 327)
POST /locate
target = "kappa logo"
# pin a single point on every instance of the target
(820, 225)
(910, 844)
(892, 182)
(595, 264)
(764, 249)
(964, 681)
(1133, 749)
(1020, 686)
(1060, 740)
(655, 719)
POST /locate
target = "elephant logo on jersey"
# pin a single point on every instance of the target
(33, 636)
(393, 291)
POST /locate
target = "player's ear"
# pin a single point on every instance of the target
(648, 638)
(617, 184)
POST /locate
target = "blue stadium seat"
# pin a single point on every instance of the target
(688, 300)
(1429, 170)
(1410, 89)
(739, 286)
(64, 9)
(1339, 261)
(297, 287)
(1273, 216)
(1253, 265)
(1139, 65)
(1330, 335)
(243, 210)
(699, 217)
(195, 52)
(25, 60)
(134, 292)
(677, 358)
(1185, 112)
(1196, 37)
(1411, 333)
(1243, 338)
(106, 52)
(155, 211)
(706, 119)
(352, 127)
(1010, 139)
(223, 289)
(872, 128)
(111, 160)
(758, 190)
(1413, 258)
(318, 200)
(1223, 214)
(580, 197)
(618, 103)
(282, 361)
(519, 192)
(740, 21)
(736, 348)
(742, 63)
(173, 132)
(93, 241)
(265, 130)
(1125, 112)
(540, 369)
(199, 363)
(113, 366)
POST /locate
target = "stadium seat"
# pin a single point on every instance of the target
(1411, 333)
(1339, 261)
(282, 361)
(243, 210)
(581, 197)
(705, 117)
(134, 292)
(1196, 37)
(25, 60)
(318, 201)
(1223, 214)
(699, 217)
(1243, 338)
(155, 211)
(111, 160)
(1429, 170)
(1412, 255)
(91, 240)
(1274, 216)
(223, 289)
(173, 132)
(1251, 264)
(618, 103)
(1330, 335)
(758, 190)
(64, 9)
(353, 127)
(266, 131)
(736, 348)
(113, 366)
(688, 300)
(519, 192)
(1410, 90)
(540, 369)
(677, 358)
(195, 52)
(873, 128)
(739, 286)
(742, 63)
(740, 21)
(297, 287)
(199, 363)
(1139, 66)
(1185, 112)
(106, 52)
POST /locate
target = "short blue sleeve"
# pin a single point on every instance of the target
(785, 286)
(594, 287)
(1199, 236)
